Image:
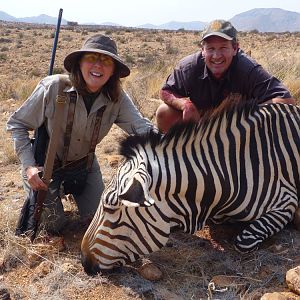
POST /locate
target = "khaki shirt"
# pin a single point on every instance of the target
(40, 106)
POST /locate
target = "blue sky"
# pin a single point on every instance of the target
(137, 12)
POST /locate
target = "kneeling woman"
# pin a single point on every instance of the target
(98, 101)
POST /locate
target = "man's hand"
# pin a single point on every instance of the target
(34, 179)
(190, 112)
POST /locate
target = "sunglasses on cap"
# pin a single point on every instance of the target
(92, 58)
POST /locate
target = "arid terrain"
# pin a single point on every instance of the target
(202, 266)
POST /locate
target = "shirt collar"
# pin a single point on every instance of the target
(100, 100)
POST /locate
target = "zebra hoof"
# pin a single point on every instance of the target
(296, 219)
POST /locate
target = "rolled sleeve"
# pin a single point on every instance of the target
(28, 117)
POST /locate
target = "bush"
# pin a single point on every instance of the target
(3, 56)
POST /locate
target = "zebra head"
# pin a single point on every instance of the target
(129, 223)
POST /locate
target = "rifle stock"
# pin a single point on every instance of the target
(40, 198)
(51, 151)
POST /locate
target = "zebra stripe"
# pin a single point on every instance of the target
(239, 164)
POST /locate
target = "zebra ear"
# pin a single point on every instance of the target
(134, 195)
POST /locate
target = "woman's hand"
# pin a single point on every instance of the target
(34, 179)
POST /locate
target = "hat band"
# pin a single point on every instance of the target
(100, 47)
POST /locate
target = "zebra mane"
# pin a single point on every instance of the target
(127, 146)
(230, 106)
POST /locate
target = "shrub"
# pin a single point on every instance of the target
(171, 50)
(3, 56)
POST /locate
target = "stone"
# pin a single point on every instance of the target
(58, 243)
(279, 296)
(68, 268)
(293, 279)
(150, 272)
(43, 269)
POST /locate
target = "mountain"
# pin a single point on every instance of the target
(110, 24)
(6, 17)
(267, 20)
(41, 19)
(261, 19)
(173, 25)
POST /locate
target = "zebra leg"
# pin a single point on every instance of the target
(261, 229)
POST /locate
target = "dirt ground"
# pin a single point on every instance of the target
(200, 266)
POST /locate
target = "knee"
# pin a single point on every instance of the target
(166, 116)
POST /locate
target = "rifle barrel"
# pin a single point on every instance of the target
(55, 42)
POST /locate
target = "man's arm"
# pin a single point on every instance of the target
(184, 104)
(173, 100)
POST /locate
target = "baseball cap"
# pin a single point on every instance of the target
(221, 28)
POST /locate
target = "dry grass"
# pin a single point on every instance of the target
(191, 264)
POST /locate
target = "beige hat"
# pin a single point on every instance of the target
(99, 44)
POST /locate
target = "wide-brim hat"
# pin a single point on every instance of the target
(221, 28)
(98, 44)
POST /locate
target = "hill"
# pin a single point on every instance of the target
(267, 20)
(261, 19)
(173, 25)
(41, 19)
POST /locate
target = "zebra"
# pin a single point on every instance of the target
(239, 164)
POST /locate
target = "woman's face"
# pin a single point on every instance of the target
(96, 69)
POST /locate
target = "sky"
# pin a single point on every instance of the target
(139, 12)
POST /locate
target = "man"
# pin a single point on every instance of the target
(204, 79)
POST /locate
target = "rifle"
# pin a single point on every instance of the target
(55, 42)
(31, 211)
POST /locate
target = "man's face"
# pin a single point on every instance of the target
(218, 54)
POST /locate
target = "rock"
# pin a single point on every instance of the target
(293, 279)
(58, 243)
(43, 269)
(150, 272)
(279, 296)
(68, 268)
(34, 259)
(222, 280)
(296, 220)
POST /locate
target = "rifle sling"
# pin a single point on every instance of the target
(95, 134)
(68, 133)
(69, 127)
(54, 137)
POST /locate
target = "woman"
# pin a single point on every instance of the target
(95, 72)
